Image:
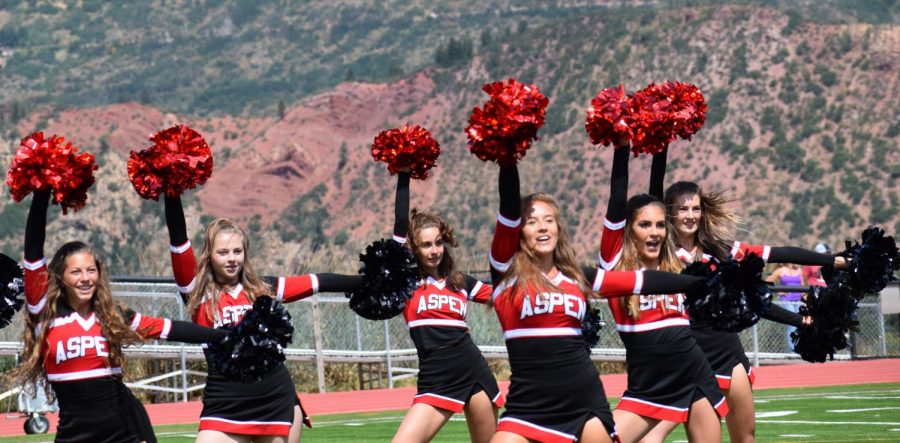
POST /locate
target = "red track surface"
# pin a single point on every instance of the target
(767, 377)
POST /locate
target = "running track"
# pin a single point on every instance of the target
(767, 377)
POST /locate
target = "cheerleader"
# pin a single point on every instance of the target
(703, 230)
(453, 375)
(655, 329)
(540, 297)
(218, 290)
(74, 339)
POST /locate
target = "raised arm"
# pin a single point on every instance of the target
(184, 264)
(401, 208)
(614, 221)
(505, 243)
(658, 174)
(35, 265)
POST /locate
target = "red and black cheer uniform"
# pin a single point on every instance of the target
(724, 349)
(667, 370)
(554, 387)
(94, 403)
(265, 407)
(451, 367)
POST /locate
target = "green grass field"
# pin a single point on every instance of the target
(821, 414)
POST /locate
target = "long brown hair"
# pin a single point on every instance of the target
(419, 220)
(717, 222)
(108, 313)
(207, 286)
(525, 266)
(631, 259)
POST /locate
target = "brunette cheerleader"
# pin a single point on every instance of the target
(669, 377)
(74, 336)
(453, 375)
(703, 231)
(218, 290)
(541, 296)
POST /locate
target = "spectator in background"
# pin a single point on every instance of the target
(813, 274)
(789, 274)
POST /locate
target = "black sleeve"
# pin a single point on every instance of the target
(658, 173)
(510, 198)
(618, 186)
(778, 314)
(36, 226)
(401, 206)
(590, 273)
(175, 221)
(800, 256)
(338, 282)
(658, 282)
(187, 332)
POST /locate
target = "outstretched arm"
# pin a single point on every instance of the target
(35, 265)
(172, 330)
(184, 264)
(625, 283)
(505, 243)
(293, 288)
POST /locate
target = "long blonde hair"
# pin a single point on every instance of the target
(207, 287)
(631, 259)
(525, 266)
(108, 313)
(419, 220)
(717, 221)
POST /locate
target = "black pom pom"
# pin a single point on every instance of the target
(255, 346)
(833, 310)
(590, 327)
(12, 288)
(872, 263)
(734, 294)
(390, 276)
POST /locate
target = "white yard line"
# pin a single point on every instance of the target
(825, 394)
(840, 411)
(811, 422)
(770, 414)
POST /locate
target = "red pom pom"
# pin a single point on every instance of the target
(669, 111)
(609, 117)
(178, 160)
(51, 164)
(411, 147)
(509, 122)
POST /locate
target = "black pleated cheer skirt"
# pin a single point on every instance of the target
(664, 379)
(554, 390)
(101, 410)
(262, 408)
(450, 375)
(724, 351)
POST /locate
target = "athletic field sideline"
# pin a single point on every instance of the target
(816, 414)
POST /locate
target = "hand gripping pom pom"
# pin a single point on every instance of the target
(12, 289)
(411, 147)
(871, 264)
(734, 294)
(51, 164)
(591, 326)
(503, 130)
(255, 346)
(833, 310)
(178, 160)
(609, 117)
(390, 275)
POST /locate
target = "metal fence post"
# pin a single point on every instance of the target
(387, 346)
(317, 335)
(882, 330)
(184, 382)
(755, 347)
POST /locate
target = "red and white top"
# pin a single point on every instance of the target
(232, 305)
(738, 251)
(656, 311)
(436, 314)
(75, 348)
(556, 313)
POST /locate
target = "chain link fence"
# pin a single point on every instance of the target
(328, 332)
